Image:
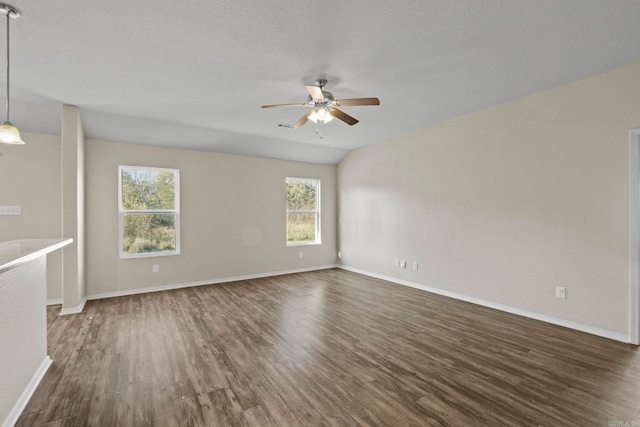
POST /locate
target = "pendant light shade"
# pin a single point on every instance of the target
(9, 134)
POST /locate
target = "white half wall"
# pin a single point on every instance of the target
(505, 204)
(23, 335)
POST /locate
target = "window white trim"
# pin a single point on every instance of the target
(122, 212)
(316, 211)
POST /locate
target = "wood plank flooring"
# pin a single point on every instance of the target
(325, 348)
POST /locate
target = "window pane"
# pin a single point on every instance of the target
(301, 227)
(145, 233)
(301, 195)
(148, 190)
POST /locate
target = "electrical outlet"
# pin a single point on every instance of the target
(415, 265)
(300, 254)
(403, 263)
(155, 268)
(561, 292)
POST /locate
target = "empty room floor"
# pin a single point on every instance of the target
(325, 348)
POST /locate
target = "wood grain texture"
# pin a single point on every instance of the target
(325, 348)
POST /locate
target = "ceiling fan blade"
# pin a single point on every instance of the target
(315, 91)
(343, 116)
(357, 101)
(284, 105)
(302, 119)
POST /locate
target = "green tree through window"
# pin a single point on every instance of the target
(149, 211)
(303, 211)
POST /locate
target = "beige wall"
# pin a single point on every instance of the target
(501, 205)
(232, 218)
(30, 176)
(507, 203)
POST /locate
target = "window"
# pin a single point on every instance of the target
(149, 211)
(303, 211)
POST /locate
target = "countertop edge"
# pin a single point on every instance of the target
(40, 247)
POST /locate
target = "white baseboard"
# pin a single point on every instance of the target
(15, 413)
(74, 310)
(513, 310)
(204, 282)
(57, 301)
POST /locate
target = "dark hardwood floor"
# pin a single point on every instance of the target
(325, 348)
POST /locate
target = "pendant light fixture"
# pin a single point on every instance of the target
(8, 133)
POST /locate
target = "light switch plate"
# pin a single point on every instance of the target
(10, 210)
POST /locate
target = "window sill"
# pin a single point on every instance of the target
(304, 244)
(148, 255)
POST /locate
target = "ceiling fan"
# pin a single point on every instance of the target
(323, 106)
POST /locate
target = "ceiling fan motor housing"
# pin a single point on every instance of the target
(328, 97)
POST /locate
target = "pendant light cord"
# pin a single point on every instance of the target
(9, 134)
(8, 67)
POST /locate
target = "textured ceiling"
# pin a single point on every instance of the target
(194, 74)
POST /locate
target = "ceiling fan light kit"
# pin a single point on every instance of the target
(324, 107)
(320, 114)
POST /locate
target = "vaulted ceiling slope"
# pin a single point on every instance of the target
(194, 74)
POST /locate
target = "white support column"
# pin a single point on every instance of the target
(634, 236)
(73, 144)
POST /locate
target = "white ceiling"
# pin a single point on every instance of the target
(194, 74)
